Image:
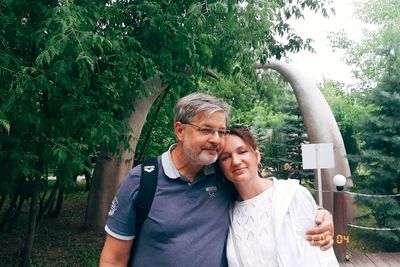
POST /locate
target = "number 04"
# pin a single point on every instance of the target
(342, 238)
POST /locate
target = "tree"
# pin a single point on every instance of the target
(294, 131)
(48, 53)
(347, 109)
(379, 171)
(368, 56)
(80, 77)
(281, 142)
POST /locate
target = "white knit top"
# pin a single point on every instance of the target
(251, 233)
(269, 229)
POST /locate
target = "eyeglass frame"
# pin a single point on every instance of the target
(208, 131)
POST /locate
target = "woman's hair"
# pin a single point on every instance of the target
(245, 135)
(191, 105)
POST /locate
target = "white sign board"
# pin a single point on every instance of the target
(318, 156)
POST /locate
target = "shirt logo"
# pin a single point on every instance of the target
(114, 206)
(211, 190)
(149, 168)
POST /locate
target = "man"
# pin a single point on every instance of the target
(189, 218)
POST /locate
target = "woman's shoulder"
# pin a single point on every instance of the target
(292, 187)
(290, 183)
(284, 183)
(303, 199)
(303, 191)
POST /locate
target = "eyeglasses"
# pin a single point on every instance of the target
(207, 131)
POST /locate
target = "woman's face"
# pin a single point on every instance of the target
(238, 160)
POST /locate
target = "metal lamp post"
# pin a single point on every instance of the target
(341, 237)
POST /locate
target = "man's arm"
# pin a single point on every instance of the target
(322, 234)
(115, 252)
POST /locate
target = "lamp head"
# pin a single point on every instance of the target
(339, 180)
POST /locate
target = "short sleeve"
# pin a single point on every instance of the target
(121, 217)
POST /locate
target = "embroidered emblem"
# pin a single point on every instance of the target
(149, 168)
(211, 190)
(114, 206)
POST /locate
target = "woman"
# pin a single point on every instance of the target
(269, 220)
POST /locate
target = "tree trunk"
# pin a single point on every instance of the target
(10, 211)
(142, 150)
(31, 230)
(14, 218)
(88, 177)
(43, 209)
(110, 169)
(60, 200)
(398, 184)
(2, 200)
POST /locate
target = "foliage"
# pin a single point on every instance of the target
(282, 145)
(379, 170)
(368, 56)
(347, 109)
(83, 49)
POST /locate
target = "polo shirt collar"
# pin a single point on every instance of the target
(168, 165)
(171, 171)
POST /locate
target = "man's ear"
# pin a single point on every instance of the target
(179, 128)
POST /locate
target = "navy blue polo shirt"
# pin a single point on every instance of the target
(187, 224)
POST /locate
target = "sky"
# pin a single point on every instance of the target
(326, 63)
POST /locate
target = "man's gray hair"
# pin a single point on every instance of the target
(191, 105)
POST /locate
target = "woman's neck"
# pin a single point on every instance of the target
(253, 187)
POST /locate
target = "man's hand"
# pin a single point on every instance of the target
(322, 234)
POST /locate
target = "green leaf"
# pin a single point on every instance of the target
(7, 104)
(84, 56)
(4, 122)
(43, 57)
(193, 8)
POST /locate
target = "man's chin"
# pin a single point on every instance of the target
(208, 159)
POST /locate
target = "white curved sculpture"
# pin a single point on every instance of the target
(320, 125)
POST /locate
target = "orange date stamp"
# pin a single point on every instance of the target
(339, 239)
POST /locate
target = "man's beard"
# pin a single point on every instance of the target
(203, 158)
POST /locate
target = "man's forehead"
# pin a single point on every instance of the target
(205, 116)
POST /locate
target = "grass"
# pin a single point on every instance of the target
(61, 241)
(364, 241)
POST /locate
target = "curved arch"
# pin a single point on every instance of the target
(320, 125)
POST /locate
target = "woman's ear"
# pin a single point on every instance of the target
(259, 165)
(258, 156)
